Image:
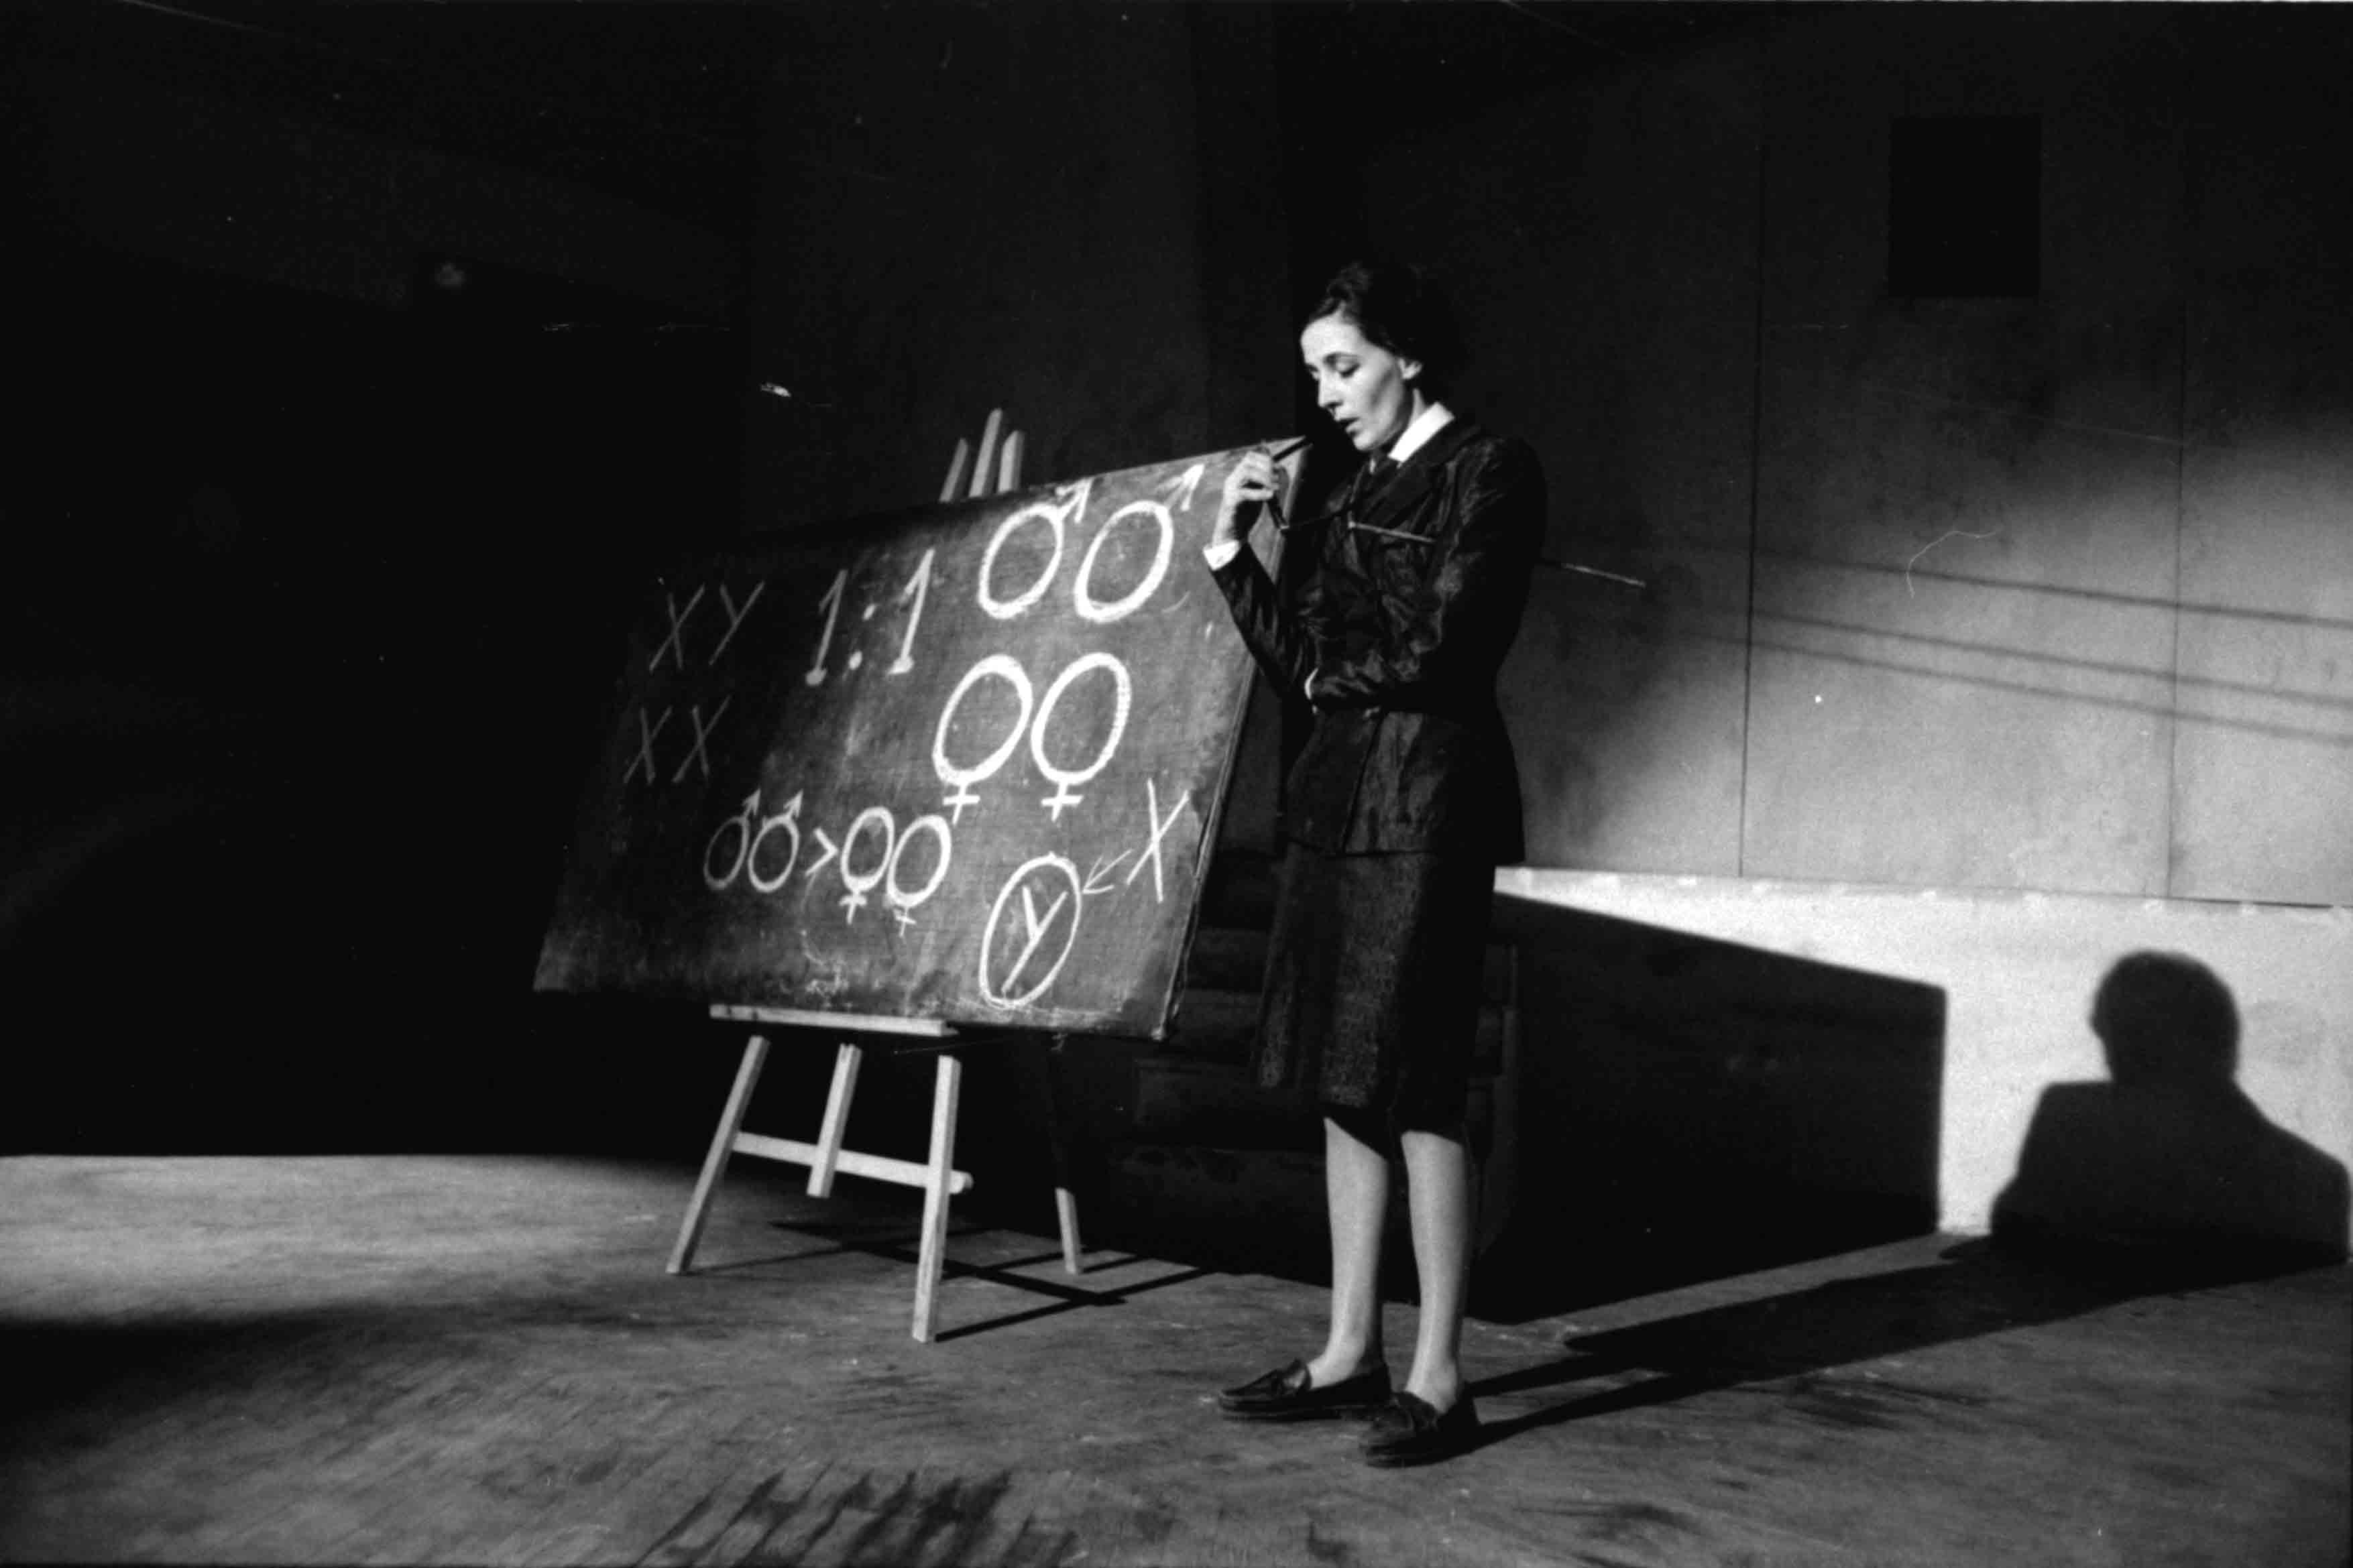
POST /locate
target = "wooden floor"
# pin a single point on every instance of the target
(479, 1359)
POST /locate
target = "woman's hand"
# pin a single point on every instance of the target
(1249, 485)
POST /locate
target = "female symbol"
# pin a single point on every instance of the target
(961, 780)
(1063, 778)
(897, 899)
(860, 883)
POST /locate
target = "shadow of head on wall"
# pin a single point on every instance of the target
(2169, 1160)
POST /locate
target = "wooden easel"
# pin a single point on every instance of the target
(1007, 461)
(937, 1176)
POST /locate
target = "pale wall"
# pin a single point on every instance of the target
(2019, 970)
(2049, 592)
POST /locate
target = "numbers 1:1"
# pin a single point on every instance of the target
(917, 586)
(832, 603)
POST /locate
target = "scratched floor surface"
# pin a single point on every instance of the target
(479, 1359)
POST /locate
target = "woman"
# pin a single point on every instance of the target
(1398, 603)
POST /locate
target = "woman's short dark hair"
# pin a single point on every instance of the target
(1403, 308)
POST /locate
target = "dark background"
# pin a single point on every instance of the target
(367, 356)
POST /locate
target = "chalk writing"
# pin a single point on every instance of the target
(645, 757)
(1182, 488)
(1160, 827)
(734, 616)
(1000, 723)
(1057, 518)
(901, 899)
(912, 595)
(745, 849)
(676, 642)
(860, 883)
(787, 820)
(826, 844)
(831, 605)
(1103, 868)
(917, 586)
(1123, 693)
(699, 756)
(999, 981)
(960, 780)
(741, 826)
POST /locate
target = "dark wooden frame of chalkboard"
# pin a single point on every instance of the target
(962, 763)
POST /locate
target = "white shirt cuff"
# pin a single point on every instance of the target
(1219, 554)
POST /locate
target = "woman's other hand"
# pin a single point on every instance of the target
(1250, 483)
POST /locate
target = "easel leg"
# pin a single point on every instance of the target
(722, 1143)
(1066, 1209)
(1066, 1202)
(933, 1253)
(837, 1118)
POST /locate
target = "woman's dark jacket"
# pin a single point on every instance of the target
(1405, 635)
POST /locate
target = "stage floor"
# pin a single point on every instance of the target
(479, 1359)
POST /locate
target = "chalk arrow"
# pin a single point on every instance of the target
(1103, 868)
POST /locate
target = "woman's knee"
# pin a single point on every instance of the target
(1370, 1128)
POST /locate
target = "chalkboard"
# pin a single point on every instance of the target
(962, 763)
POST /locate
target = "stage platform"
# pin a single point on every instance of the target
(479, 1359)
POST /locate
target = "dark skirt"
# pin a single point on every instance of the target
(1372, 986)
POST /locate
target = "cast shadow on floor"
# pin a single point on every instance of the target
(1674, 1108)
(1982, 1285)
(2165, 1179)
(1694, 1108)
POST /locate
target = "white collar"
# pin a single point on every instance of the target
(1437, 416)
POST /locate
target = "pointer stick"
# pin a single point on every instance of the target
(1590, 571)
(1282, 525)
(1274, 503)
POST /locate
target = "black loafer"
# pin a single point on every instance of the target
(1288, 1393)
(1410, 1433)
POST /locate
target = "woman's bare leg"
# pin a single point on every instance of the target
(1356, 1192)
(1438, 1195)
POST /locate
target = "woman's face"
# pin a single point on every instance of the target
(1368, 391)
